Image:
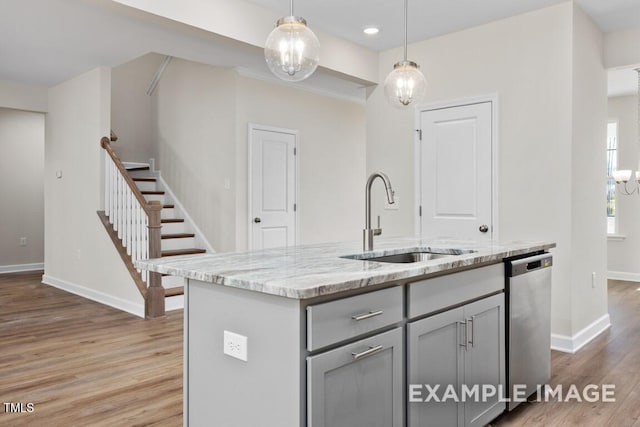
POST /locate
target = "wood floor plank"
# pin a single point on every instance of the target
(82, 363)
(85, 364)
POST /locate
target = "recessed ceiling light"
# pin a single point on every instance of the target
(371, 30)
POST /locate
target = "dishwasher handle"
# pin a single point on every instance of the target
(529, 264)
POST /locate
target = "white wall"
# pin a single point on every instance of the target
(22, 191)
(222, 17)
(589, 174)
(622, 48)
(331, 150)
(527, 61)
(23, 97)
(621, 260)
(131, 117)
(199, 119)
(79, 255)
(194, 130)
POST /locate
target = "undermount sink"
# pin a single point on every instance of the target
(409, 257)
(413, 256)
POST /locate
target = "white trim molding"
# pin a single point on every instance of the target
(191, 223)
(18, 268)
(623, 275)
(572, 344)
(137, 309)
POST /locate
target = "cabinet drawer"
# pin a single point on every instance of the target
(427, 296)
(342, 319)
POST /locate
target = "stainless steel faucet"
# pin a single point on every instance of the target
(368, 232)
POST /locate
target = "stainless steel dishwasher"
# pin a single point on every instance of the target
(528, 295)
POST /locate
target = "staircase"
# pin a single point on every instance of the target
(178, 236)
(145, 220)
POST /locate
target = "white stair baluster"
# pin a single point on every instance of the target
(112, 190)
(127, 218)
(107, 183)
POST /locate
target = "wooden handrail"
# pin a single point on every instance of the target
(106, 144)
(153, 292)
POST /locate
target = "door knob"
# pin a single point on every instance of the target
(483, 228)
(257, 220)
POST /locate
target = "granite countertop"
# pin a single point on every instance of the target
(302, 272)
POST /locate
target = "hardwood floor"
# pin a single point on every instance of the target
(84, 364)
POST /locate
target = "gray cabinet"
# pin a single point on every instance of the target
(358, 385)
(459, 348)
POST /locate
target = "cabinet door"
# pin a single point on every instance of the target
(485, 358)
(358, 385)
(436, 359)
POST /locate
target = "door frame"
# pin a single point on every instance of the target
(296, 134)
(458, 102)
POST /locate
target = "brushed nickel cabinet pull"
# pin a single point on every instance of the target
(369, 315)
(465, 335)
(372, 350)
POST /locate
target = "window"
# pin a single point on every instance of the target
(612, 165)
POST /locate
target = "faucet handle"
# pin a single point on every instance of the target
(377, 231)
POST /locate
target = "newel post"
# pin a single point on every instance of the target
(154, 306)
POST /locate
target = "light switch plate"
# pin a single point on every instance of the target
(235, 345)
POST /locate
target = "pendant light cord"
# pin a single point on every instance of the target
(291, 8)
(405, 28)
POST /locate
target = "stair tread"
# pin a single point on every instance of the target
(168, 220)
(144, 179)
(176, 252)
(168, 206)
(172, 292)
(177, 235)
(152, 192)
(137, 168)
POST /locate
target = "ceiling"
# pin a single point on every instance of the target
(45, 42)
(431, 18)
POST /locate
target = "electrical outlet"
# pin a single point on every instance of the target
(23, 241)
(235, 345)
(593, 279)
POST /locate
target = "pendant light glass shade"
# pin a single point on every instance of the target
(292, 51)
(405, 84)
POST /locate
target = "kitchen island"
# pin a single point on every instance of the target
(321, 335)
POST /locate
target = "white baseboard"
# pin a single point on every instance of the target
(21, 267)
(174, 303)
(572, 344)
(111, 301)
(623, 275)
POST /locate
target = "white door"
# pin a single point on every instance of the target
(456, 172)
(272, 188)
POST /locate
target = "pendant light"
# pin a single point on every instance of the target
(406, 83)
(292, 51)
